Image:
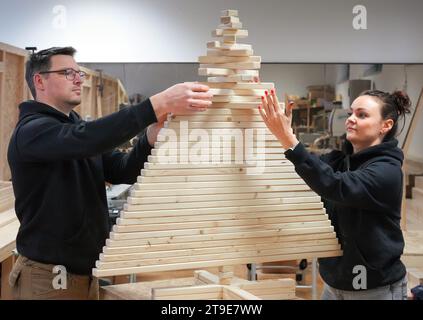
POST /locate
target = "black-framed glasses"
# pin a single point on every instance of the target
(69, 73)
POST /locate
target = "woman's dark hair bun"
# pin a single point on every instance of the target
(402, 102)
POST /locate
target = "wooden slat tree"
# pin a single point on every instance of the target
(217, 189)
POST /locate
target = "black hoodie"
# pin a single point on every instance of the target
(59, 165)
(362, 193)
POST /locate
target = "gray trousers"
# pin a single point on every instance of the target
(395, 291)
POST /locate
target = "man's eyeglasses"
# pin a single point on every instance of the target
(70, 74)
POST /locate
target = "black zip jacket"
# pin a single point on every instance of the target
(59, 166)
(362, 194)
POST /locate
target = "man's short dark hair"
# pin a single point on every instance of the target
(41, 61)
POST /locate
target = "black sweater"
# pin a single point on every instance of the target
(362, 193)
(59, 165)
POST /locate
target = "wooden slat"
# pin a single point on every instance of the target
(280, 208)
(216, 191)
(229, 32)
(244, 75)
(233, 25)
(232, 78)
(160, 254)
(7, 217)
(229, 19)
(268, 284)
(224, 203)
(219, 197)
(217, 236)
(145, 185)
(205, 150)
(207, 165)
(284, 171)
(218, 60)
(7, 239)
(200, 264)
(227, 254)
(229, 12)
(289, 240)
(240, 86)
(238, 294)
(217, 125)
(237, 92)
(218, 230)
(242, 176)
(231, 53)
(159, 293)
(237, 66)
(141, 225)
(217, 135)
(228, 47)
(285, 216)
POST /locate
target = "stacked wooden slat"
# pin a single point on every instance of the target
(9, 223)
(202, 203)
(278, 289)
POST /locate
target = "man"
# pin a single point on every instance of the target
(59, 165)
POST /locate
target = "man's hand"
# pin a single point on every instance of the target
(278, 121)
(182, 97)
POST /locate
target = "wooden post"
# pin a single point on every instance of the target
(405, 146)
(6, 268)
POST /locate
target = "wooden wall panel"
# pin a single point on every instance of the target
(13, 91)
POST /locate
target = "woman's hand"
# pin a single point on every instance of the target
(153, 131)
(278, 121)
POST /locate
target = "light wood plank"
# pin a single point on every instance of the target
(207, 164)
(237, 92)
(228, 32)
(125, 225)
(240, 86)
(288, 240)
(230, 53)
(218, 230)
(219, 256)
(229, 19)
(234, 25)
(217, 191)
(281, 208)
(205, 264)
(217, 236)
(7, 217)
(219, 197)
(293, 216)
(238, 66)
(232, 74)
(204, 150)
(159, 254)
(229, 12)
(225, 60)
(238, 294)
(242, 176)
(218, 45)
(220, 125)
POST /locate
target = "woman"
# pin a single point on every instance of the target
(361, 188)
